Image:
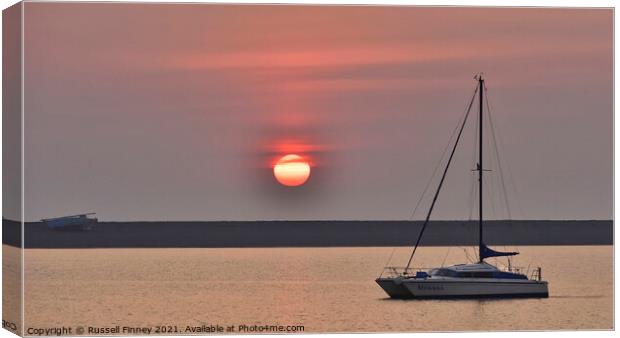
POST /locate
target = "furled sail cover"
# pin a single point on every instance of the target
(486, 252)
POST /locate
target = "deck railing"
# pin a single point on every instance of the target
(536, 274)
(395, 271)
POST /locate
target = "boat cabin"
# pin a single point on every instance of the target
(478, 270)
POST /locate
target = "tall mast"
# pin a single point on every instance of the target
(480, 168)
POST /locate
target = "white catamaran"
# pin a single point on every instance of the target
(477, 280)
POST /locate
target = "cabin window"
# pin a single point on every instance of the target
(475, 274)
(444, 273)
(461, 274)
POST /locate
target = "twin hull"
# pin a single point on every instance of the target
(394, 287)
(404, 288)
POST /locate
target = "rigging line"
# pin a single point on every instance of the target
(443, 177)
(428, 184)
(501, 185)
(445, 257)
(499, 164)
(467, 257)
(473, 188)
(388, 261)
(472, 194)
(441, 158)
(489, 187)
(488, 190)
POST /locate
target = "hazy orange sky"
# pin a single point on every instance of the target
(175, 111)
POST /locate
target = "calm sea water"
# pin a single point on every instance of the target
(323, 289)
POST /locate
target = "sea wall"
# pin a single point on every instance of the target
(310, 234)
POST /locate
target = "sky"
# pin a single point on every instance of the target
(178, 111)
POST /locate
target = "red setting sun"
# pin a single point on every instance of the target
(291, 170)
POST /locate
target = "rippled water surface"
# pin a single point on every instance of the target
(323, 289)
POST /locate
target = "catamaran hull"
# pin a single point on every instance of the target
(394, 287)
(437, 289)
